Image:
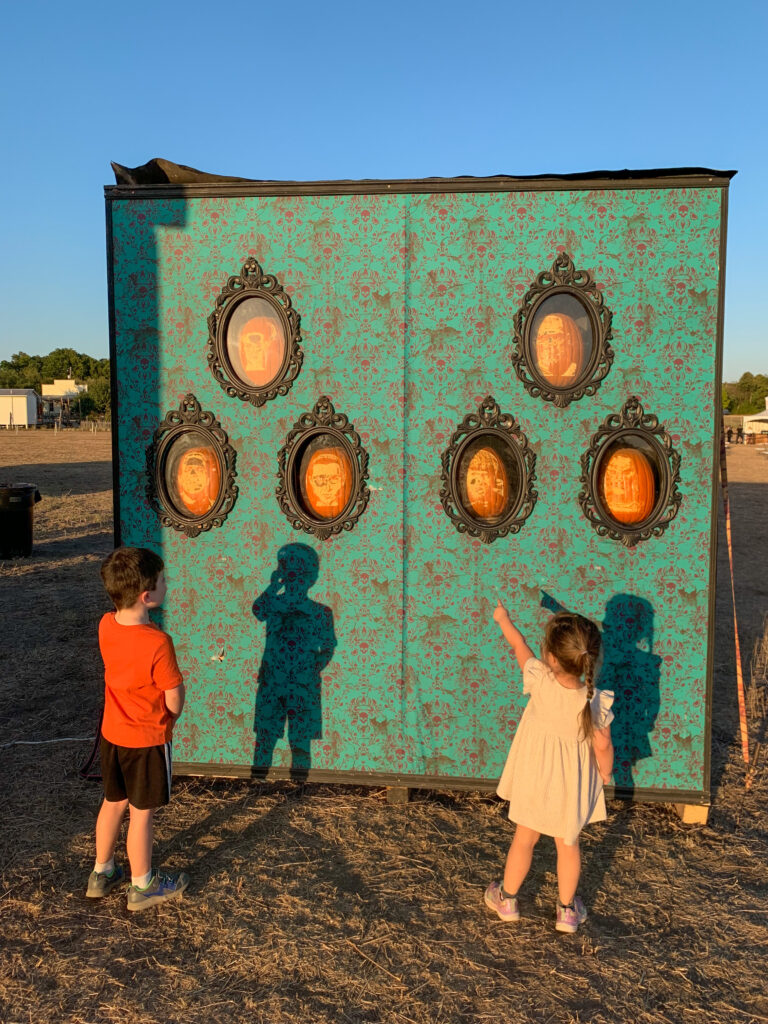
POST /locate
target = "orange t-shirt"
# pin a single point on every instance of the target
(139, 664)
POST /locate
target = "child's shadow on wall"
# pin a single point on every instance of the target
(300, 641)
(632, 671)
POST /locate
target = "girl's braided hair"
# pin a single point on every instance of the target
(575, 641)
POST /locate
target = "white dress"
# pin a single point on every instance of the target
(551, 778)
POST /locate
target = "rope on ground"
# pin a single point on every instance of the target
(33, 743)
(739, 673)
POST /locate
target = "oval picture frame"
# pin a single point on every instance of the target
(489, 447)
(322, 473)
(191, 470)
(632, 428)
(563, 313)
(254, 337)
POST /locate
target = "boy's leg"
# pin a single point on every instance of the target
(108, 828)
(106, 875)
(148, 887)
(139, 841)
(519, 858)
(148, 774)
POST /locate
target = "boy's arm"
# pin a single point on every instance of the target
(512, 635)
(602, 745)
(174, 700)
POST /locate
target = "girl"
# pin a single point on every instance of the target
(559, 759)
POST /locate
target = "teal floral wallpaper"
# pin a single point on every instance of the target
(373, 652)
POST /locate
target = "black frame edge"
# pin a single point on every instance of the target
(669, 178)
(114, 407)
(713, 543)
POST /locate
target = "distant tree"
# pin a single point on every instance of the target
(65, 362)
(748, 395)
(726, 400)
(99, 394)
(25, 371)
(21, 371)
(84, 405)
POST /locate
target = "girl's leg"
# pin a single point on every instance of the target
(568, 870)
(139, 841)
(108, 828)
(519, 858)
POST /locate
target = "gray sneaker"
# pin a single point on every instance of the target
(161, 887)
(101, 883)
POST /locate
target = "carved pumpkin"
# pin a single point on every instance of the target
(559, 349)
(198, 476)
(627, 487)
(328, 482)
(260, 349)
(487, 484)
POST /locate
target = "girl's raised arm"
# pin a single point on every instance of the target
(512, 635)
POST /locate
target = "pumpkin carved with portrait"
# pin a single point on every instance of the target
(559, 349)
(328, 482)
(627, 486)
(198, 479)
(487, 484)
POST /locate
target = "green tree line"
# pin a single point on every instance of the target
(747, 396)
(25, 371)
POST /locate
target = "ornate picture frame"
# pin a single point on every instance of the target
(487, 475)
(631, 430)
(191, 470)
(322, 473)
(254, 337)
(562, 335)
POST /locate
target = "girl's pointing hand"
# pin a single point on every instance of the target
(500, 613)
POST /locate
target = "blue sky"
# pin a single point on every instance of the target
(349, 90)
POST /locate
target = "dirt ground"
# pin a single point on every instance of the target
(325, 903)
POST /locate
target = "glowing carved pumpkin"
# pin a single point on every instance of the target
(197, 480)
(261, 350)
(627, 487)
(559, 349)
(328, 481)
(487, 484)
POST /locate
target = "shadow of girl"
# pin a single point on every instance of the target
(632, 670)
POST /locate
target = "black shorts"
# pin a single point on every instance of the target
(140, 774)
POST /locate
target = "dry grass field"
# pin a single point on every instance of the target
(324, 903)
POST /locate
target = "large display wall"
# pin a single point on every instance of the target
(351, 415)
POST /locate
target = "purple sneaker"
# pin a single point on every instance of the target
(507, 909)
(569, 918)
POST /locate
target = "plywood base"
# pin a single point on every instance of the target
(397, 794)
(692, 814)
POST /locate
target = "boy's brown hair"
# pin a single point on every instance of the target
(128, 572)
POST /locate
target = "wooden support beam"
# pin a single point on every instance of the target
(397, 794)
(692, 814)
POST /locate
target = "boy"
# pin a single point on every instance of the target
(144, 696)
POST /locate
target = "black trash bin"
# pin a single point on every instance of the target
(17, 503)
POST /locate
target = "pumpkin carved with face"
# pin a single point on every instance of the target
(487, 484)
(559, 350)
(328, 482)
(260, 349)
(627, 486)
(197, 480)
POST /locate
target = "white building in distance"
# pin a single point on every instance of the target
(20, 407)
